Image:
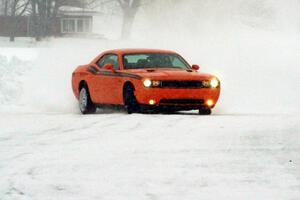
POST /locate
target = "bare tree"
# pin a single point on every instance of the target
(129, 9)
(44, 13)
(15, 9)
(4, 7)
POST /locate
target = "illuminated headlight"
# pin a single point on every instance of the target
(206, 83)
(155, 83)
(214, 83)
(147, 83)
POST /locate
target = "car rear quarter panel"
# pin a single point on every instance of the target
(78, 75)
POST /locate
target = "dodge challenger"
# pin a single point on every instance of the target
(144, 80)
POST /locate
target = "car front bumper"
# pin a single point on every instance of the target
(177, 98)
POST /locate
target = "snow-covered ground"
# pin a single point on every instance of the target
(248, 149)
(119, 156)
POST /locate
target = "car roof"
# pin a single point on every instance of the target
(130, 51)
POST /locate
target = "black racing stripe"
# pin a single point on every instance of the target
(107, 73)
(92, 70)
(124, 74)
(116, 74)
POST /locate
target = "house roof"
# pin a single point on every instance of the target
(71, 10)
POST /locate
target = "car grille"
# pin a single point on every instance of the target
(182, 101)
(181, 84)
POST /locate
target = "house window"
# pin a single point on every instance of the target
(80, 27)
(68, 26)
(76, 25)
(83, 25)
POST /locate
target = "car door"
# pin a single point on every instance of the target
(107, 83)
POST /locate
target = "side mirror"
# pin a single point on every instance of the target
(195, 67)
(109, 66)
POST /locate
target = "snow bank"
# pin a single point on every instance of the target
(13, 71)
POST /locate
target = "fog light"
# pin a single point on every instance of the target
(151, 102)
(210, 102)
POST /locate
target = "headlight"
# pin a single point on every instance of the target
(214, 83)
(206, 83)
(147, 83)
(155, 83)
(150, 83)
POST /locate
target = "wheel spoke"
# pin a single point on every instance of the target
(82, 100)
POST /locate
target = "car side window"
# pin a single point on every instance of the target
(113, 59)
(176, 62)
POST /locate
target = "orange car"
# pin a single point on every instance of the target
(144, 80)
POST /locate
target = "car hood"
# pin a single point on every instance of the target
(170, 74)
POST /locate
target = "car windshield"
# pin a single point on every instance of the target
(154, 60)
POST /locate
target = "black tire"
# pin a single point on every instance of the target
(204, 111)
(130, 102)
(86, 105)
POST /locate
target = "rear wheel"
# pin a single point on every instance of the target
(204, 111)
(130, 101)
(86, 105)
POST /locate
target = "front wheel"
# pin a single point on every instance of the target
(204, 111)
(86, 105)
(130, 101)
